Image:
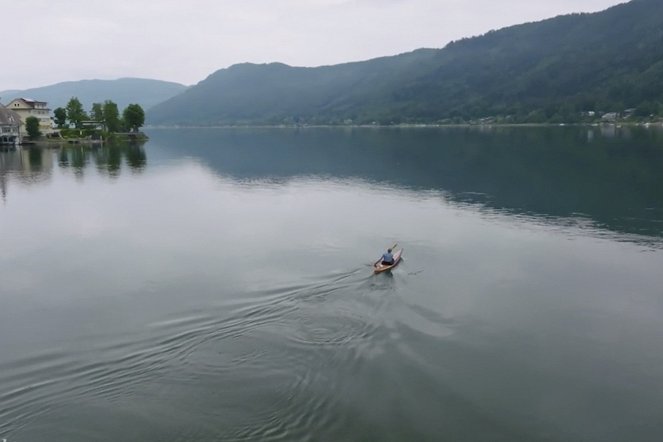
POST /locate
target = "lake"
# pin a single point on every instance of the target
(216, 284)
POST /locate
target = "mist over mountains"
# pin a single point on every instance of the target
(554, 70)
(545, 71)
(123, 91)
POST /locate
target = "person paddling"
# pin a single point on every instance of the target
(388, 258)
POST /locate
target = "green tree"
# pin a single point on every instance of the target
(97, 112)
(32, 127)
(75, 112)
(134, 117)
(647, 108)
(60, 117)
(111, 116)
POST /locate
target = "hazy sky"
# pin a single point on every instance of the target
(48, 41)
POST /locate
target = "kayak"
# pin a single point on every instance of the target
(378, 267)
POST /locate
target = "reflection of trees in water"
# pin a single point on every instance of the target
(35, 164)
(109, 159)
(24, 166)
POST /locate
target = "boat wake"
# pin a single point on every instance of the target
(283, 354)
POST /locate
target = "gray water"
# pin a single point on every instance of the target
(216, 285)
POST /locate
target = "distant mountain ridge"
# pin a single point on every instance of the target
(123, 91)
(544, 71)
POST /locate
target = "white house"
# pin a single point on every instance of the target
(27, 107)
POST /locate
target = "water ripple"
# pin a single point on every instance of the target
(277, 345)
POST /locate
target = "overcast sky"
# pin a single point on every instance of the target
(49, 41)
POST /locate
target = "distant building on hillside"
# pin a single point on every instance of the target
(27, 107)
(628, 113)
(10, 126)
(610, 117)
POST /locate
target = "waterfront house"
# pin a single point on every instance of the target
(27, 107)
(610, 117)
(10, 126)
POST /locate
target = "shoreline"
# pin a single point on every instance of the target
(60, 142)
(657, 124)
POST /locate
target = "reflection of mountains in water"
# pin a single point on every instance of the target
(611, 176)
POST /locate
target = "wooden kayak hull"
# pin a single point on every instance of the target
(378, 267)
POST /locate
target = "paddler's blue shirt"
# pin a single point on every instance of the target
(388, 257)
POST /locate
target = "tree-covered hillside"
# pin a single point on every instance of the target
(554, 70)
(608, 61)
(276, 93)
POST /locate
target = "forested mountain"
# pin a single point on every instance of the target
(123, 91)
(545, 71)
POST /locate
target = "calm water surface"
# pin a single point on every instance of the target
(216, 285)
